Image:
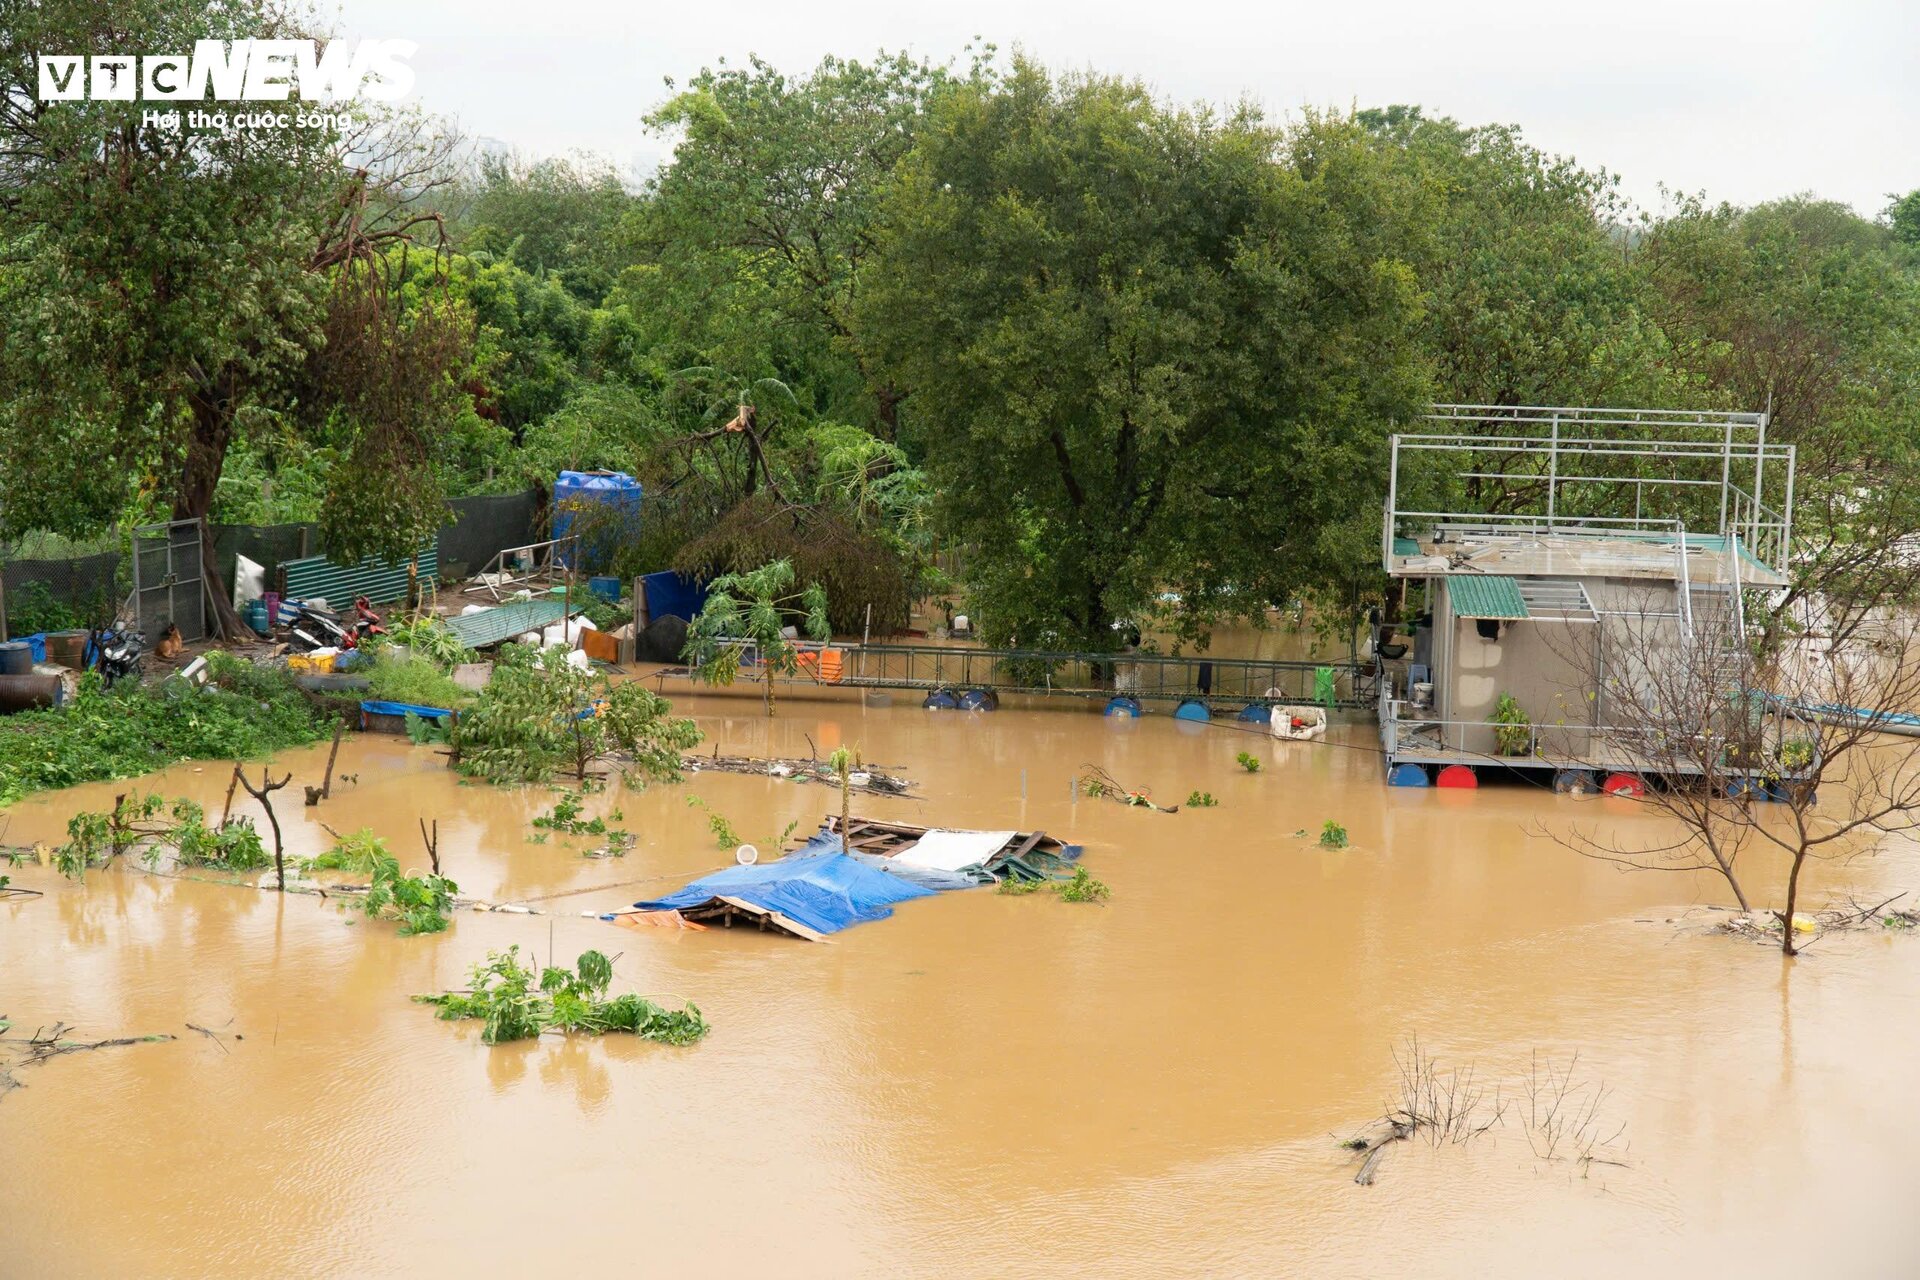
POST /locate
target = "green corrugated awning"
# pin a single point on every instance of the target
(491, 626)
(1485, 596)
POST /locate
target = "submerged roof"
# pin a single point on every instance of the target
(1489, 596)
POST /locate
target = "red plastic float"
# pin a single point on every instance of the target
(1629, 785)
(1457, 775)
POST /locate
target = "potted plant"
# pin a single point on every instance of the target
(1512, 727)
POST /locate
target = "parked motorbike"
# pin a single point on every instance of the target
(316, 628)
(118, 651)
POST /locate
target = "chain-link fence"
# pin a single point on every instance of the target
(56, 595)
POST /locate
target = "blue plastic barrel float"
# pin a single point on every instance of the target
(1124, 707)
(1193, 709)
(979, 700)
(1576, 782)
(1407, 774)
(940, 700)
(1255, 714)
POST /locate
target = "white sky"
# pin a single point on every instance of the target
(1745, 101)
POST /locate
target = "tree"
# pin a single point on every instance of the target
(1530, 299)
(541, 714)
(1803, 308)
(771, 207)
(162, 290)
(1151, 350)
(1791, 758)
(751, 611)
(1903, 215)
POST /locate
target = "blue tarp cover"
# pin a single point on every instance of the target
(826, 892)
(401, 708)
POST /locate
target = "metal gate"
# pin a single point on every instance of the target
(167, 580)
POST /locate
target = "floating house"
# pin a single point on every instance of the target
(1536, 537)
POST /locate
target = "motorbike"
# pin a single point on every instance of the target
(117, 652)
(317, 628)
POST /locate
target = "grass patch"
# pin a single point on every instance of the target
(415, 681)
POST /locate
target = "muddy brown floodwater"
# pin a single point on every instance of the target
(982, 1085)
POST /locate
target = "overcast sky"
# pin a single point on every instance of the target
(1745, 101)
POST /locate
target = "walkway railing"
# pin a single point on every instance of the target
(1229, 681)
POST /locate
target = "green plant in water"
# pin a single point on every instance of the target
(724, 834)
(1332, 835)
(1014, 886)
(1248, 762)
(1082, 888)
(1201, 800)
(513, 1003)
(566, 818)
(540, 715)
(843, 762)
(149, 825)
(418, 903)
(1512, 728)
(359, 852)
(1796, 754)
(754, 608)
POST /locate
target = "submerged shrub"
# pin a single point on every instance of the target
(513, 1004)
(152, 828)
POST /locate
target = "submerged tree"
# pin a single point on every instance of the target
(753, 611)
(1151, 350)
(1791, 759)
(541, 714)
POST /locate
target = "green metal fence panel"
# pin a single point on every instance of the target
(340, 585)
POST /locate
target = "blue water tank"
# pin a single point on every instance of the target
(979, 700)
(601, 536)
(1407, 774)
(940, 700)
(1255, 714)
(1193, 709)
(1123, 706)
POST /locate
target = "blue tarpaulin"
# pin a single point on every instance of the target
(673, 595)
(826, 892)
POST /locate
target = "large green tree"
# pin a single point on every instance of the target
(1151, 349)
(163, 291)
(1806, 309)
(768, 216)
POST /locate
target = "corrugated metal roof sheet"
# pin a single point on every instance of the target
(491, 626)
(1485, 596)
(340, 585)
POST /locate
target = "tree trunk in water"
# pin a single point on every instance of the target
(206, 455)
(1793, 897)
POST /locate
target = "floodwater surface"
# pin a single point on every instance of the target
(982, 1085)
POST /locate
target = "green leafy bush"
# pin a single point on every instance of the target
(1083, 888)
(429, 639)
(1201, 800)
(152, 827)
(418, 903)
(358, 852)
(565, 817)
(244, 712)
(1248, 762)
(528, 724)
(1333, 835)
(1512, 727)
(513, 1005)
